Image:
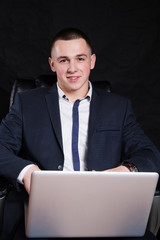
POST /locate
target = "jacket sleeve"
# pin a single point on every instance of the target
(11, 140)
(137, 147)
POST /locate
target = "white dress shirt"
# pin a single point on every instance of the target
(66, 125)
(66, 117)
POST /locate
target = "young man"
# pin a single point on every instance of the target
(37, 133)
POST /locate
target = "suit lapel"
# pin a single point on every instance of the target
(53, 109)
(97, 108)
(93, 117)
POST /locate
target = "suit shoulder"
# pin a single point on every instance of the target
(34, 93)
(117, 97)
(104, 94)
(116, 101)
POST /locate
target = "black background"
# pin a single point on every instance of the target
(125, 35)
(126, 39)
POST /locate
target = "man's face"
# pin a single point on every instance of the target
(72, 62)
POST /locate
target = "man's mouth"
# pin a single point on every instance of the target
(72, 78)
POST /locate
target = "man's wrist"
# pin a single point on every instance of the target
(130, 166)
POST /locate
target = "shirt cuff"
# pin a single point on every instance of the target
(22, 173)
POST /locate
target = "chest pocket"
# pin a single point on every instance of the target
(108, 128)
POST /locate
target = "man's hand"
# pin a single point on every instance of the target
(121, 168)
(27, 177)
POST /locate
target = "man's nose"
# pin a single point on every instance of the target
(72, 66)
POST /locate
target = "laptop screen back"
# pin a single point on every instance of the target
(89, 204)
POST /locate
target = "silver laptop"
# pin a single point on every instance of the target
(89, 204)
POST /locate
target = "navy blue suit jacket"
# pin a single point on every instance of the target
(32, 130)
(31, 133)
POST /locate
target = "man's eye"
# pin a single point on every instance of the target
(63, 61)
(80, 59)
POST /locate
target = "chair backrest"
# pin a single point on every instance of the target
(22, 84)
(45, 81)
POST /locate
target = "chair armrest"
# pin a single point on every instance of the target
(157, 192)
(3, 193)
(3, 187)
(154, 218)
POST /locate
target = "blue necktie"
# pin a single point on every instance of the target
(75, 130)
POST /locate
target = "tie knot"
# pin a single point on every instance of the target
(76, 103)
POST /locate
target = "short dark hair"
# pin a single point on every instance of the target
(70, 34)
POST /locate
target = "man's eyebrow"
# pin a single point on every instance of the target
(81, 55)
(78, 55)
(62, 57)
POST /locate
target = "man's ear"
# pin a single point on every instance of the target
(51, 63)
(93, 60)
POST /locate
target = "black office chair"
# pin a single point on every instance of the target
(45, 81)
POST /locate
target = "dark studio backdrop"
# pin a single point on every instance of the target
(125, 35)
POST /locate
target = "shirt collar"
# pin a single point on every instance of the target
(62, 95)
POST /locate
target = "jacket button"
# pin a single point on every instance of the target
(60, 168)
